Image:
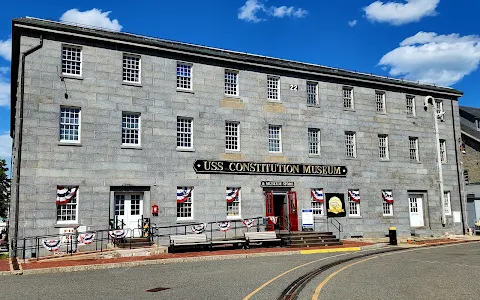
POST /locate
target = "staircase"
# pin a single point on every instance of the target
(139, 242)
(306, 239)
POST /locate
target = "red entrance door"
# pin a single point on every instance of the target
(292, 210)
(269, 212)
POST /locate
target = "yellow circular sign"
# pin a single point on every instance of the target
(335, 205)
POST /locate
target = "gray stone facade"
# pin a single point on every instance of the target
(99, 164)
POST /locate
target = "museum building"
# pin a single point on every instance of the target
(107, 125)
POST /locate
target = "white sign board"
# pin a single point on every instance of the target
(457, 218)
(307, 217)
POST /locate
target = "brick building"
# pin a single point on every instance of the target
(107, 124)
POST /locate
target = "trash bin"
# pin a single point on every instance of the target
(392, 235)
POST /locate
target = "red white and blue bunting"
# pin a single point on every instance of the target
(118, 234)
(232, 194)
(317, 195)
(273, 219)
(387, 197)
(249, 223)
(51, 245)
(199, 228)
(65, 194)
(354, 195)
(183, 194)
(86, 238)
(224, 225)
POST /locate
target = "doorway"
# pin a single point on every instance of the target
(283, 206)
(129, 211)
(415, 203)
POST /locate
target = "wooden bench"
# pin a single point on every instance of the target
(233, 242)
(188, 240)
(261, 237)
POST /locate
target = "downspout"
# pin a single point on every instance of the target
(460, 185)
(20, 133)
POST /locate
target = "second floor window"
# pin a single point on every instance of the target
(380, 101)
(71, 60)
(348, 97)
(350, 150)
(232, 136)
(184, 132)
(443, 151)
(410, 106)
(413, 146)
(184, 202)
(273, 88)
(231, 83)
(184, 76)
(383, 146)
(70, 124)
(313, 141)
(130, 129)
(312, 93)
(131, 68)
(274, 138)
(447, 203)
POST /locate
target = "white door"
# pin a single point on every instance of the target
(128, 212)
(416, 210)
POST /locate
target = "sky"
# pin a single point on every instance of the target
(431, 41)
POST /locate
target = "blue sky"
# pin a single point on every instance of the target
(432, 41)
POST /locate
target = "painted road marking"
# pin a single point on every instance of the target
(346, 249)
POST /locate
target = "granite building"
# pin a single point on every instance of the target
(106, 125)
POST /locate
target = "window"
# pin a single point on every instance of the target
(312, 93)
(383, 146)
(233, 202)
(353, 206)
(313, 141)
(413, 144)
(350, 150)
(410, 106)
(70, 124)
(478, 124)
(131, 68)
(71, 60)
(387, 205)
(67, 204)
(184, 203)
(273, 88)
(380, 101)
(135, 205)
(465, 176)
(348, 97)
(317, 202)
(439, 108)
(231, 83)
(447, 204)
(232, 136)
(443, 151)
(184, 76)
(274, 138)
(119, 205)
(131, 129)
(184, 132)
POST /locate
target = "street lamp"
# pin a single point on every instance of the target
(430, 101)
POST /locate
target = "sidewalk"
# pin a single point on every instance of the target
(70, 264)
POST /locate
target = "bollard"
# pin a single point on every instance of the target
(392, 235)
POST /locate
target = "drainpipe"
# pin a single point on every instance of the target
(460, 185)
(20, 133)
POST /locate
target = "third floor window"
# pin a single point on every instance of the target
(312, 93)
(273, 88)
(231, 83)
(184, 76)
(131, 68)
(348, 97)
(71, 60)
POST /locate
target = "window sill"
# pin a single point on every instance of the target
(389, 216)
(131, 147)
(384, 160)
(274, 101)
(313, 105)
(185, 91)
(415, 162)
(232, 151)
(350, 158)
(381, 113)
(234, 218)
(138, 84)
(235, 97)
(69, 144)
(314, 156)
(65, 225)
(355, 217)
(185, 149)
(349, 109)
(78, 77)
(273, 153)
(186, 221)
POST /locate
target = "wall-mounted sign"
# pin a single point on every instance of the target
(307, 218)
(294, 87)
(335, 205)
(277, 184)
(249, 168)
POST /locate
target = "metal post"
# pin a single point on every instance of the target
(439, 162)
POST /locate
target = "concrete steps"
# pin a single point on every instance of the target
(305, 239)
(133, 243)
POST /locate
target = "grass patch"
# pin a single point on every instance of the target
(3, 255)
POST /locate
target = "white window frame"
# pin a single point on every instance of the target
(348, 99)
(443, 151)
(353, 143)
(321, 206)
(192, 201)
(139, 130)
(232, 136)
(78, 141)
(383, 145)
(352, 204)
(279, 139)
(309, 93)
(415, 140)
(76, 211)
(386, 205)
(447, 203)
(230, 84)
(270, 79)
(126, 56)
(81, 60)
(185, 120)
(178, 80)
(314, 132)
(239, 201)
(477, 121)
(439, 108)
(380, 102)
(410, 112)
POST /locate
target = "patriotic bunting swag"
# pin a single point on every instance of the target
(354, 195)
(224, 226)
(86, 238)
(248, 223)
(51, 245)
(273, 219)
(232, 194)
(118, 234)
(388, 197)
(199, 228)
(65, 194)
(317, 195)
(183, 194)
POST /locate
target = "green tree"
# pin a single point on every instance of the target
(4, 188)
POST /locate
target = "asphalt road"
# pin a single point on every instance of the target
(412, 275)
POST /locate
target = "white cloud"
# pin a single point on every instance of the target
(4, 70)
(352, 23)
(398, 13)
(5, 146)
(431, 58)
(4, 93)
(94, 17)
(6, 49)
(250, 10)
